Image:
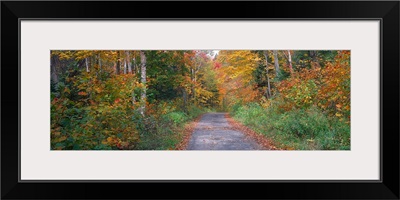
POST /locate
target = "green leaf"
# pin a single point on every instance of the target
(76, 147)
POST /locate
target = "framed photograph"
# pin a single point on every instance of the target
(117, 97)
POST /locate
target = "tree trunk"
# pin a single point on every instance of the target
(134, 64)
(87, 64)
(268, 92)
(118, 64)
(143, 80)
(290, 62)
(99, 61)
(129, 62)
(125, 66)
(193, 86)
(54, 76)
(276, 62)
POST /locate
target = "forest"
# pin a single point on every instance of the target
(146, 99)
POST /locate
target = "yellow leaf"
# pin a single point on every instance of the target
(61, 139)
(57, 133)
(66, 90)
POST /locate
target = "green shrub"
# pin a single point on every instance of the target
(176, 117)
(169, 122)
(306, 128)
(194, 111)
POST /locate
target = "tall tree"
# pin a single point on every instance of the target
(143, 80)
(134, 63)
(99, 55)
(276, 62)
(117, 66)
(121, 61)
(53, 69)
(268, 92)
(129, 61)
(125, 65)
(87, 64)
(290, 62)
(235, 76)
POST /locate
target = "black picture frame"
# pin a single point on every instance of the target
(386, 11)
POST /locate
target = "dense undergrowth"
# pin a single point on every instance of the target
(310, 110)
(300, 129)
(166, 130)
(109, 127)
(94, 111)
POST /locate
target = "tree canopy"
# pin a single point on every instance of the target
(132, 99)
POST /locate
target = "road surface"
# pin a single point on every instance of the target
(213, 132)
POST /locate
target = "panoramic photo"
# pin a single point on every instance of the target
(200, 100)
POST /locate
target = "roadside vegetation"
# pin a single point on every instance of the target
(142, 100)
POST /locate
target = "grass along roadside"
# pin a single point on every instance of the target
(298, 129)
(267, 144)
(168, 130)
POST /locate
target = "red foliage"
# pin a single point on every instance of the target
(217, 65)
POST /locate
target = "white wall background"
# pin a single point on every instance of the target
(39, 37)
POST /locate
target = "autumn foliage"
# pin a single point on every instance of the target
(309, 104)
(327, 88)
(100, 101)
